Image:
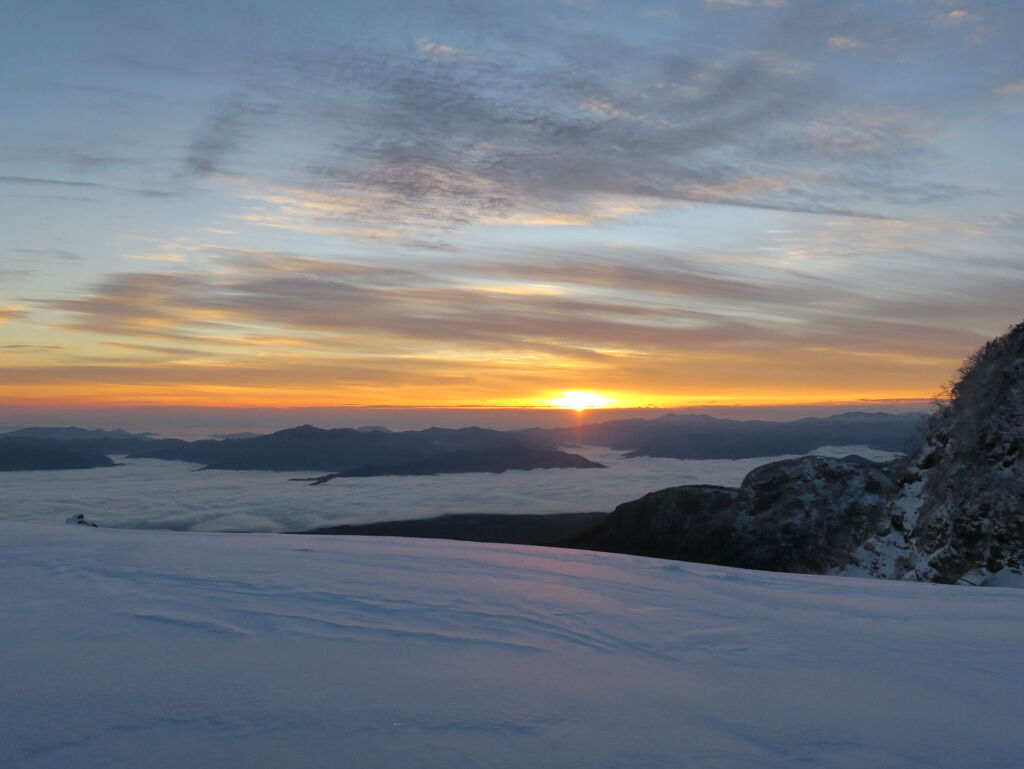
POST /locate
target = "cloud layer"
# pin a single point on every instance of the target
(595, 129)
(257, 323)
(151, 493)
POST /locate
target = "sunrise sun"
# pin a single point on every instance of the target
(579, 401)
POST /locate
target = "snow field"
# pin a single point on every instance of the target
(160, 649)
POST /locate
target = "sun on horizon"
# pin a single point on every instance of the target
(579, 400)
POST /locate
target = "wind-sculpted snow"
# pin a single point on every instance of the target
(153, 493)
(168, 650)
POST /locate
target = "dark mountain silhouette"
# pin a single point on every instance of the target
(952, 511)
(42, 454)
(363, 453)
(373, 451)
(74, 434)
(490, 459)
(699, 436)
(519, 529)
(298, 448)
(96, 441)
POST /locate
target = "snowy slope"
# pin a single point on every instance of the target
(156, 649)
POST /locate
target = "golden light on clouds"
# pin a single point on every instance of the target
(526, 289)
(10, 313)
(253, 327)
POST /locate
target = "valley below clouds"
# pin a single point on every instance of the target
(160, 494)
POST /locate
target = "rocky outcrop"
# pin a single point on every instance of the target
(801, 515)
(688, 523)
(952, 511)
(958, 513)
(808, 514)
(80, 520)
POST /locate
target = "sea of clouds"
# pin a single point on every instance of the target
(158, 494)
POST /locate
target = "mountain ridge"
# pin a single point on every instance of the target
(346, 450)
(701, 436)
(491, 459)
(18, 454)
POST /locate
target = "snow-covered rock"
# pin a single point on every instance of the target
(958, 514)
(802, 515)
(163, 650)
(808, 514)
(80, 520)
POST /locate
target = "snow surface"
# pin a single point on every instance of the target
(165, 650)
(154, 493)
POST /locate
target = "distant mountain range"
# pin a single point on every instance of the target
(40, 454)
(492, 459)
(698, 436)
(363, 453)
(75, 434)
(341, 452)
(368, 451)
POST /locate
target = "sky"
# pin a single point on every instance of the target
(486, 204)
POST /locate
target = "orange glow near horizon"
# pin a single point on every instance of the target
(144, 374)
(107, 394)
(578, 400)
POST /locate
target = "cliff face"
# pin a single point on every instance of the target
(958, 512)
(953, 511)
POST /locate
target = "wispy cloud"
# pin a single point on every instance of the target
(262, 321)
(1011, 88)
(468, 141)
(518, 289)
(46, 182)
(442, 51)
(955, 18)
(21, 349)
(661, 13)
(46, 253)
(230, 123)
(11, 313)
(844, 43)
(722, 5)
